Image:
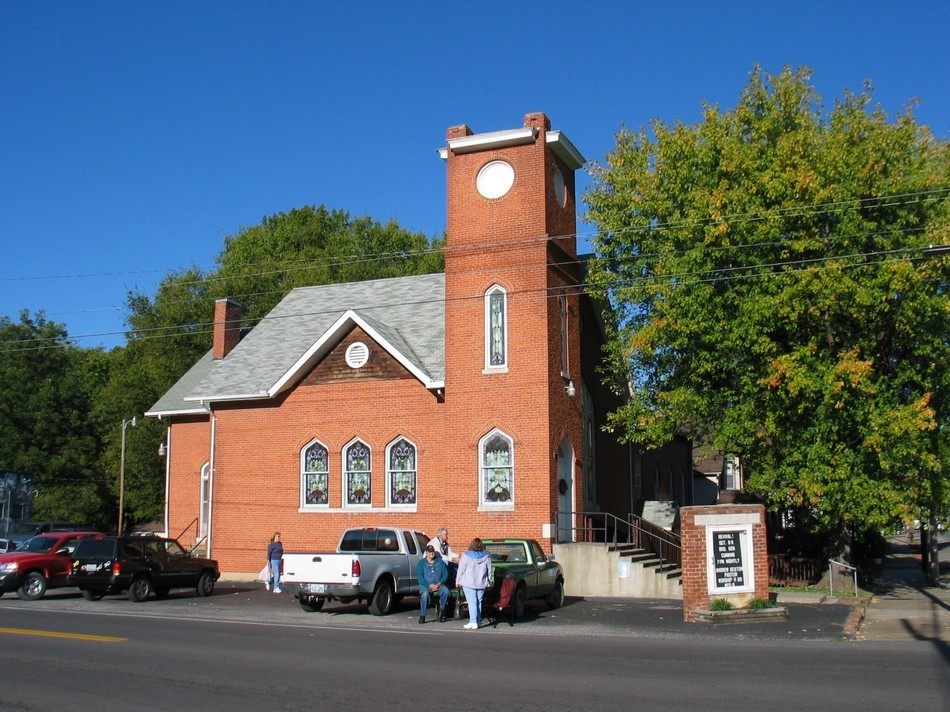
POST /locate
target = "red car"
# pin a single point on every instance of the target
(39, 563)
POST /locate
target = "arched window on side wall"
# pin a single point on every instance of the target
(401, 473)
(358, 475)
(497, 471)
(315, 475)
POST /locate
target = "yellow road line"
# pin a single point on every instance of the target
(54, 634)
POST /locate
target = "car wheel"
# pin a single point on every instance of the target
(312, 606)
(518, 603)
(556, 598)
(140, 589)
(382, 601)
(91, 594)
(32, 587)
(205, 586)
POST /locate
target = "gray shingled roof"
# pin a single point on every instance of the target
(173, 402)
(407, 314)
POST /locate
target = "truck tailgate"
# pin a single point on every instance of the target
(318, 568)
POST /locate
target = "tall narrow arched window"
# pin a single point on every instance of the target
(496, 471)
(562, 306)
(358, 475)
(590, 445)
(315, 475)
(401, 473)
(496, 329)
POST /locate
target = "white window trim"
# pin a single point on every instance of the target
(483, 504)
(343, 472)
(489, 368)
(304, 506)
(389, 503)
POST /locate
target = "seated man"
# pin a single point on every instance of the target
(431, 574)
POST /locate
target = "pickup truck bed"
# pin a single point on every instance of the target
(373, 564)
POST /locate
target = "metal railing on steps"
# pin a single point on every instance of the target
(634, 533)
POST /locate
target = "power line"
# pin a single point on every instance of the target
(718, 274)
(347, 260)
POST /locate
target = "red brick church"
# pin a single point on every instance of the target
(468, 399)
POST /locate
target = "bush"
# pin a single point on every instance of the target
(758, 603)
(721, 604)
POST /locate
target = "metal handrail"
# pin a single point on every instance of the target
(613, 530)
(831, 576)
(191, 524)
(651, 537)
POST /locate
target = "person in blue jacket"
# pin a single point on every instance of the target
(474, 576)
(431, 574)
(275, 554)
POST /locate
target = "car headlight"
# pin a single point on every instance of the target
(8, 568)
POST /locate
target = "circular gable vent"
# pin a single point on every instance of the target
(357, 354)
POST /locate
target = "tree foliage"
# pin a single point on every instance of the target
(768, 270)
(45, 431)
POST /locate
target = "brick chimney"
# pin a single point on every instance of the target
(227, 327)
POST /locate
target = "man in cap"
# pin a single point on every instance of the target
(431, 575)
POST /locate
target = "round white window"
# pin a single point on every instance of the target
(357, 354)
(495, 179)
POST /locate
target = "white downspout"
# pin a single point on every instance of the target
(168, 470)
(214, 423)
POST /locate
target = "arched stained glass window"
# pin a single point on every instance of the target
(401, 473)
(315, 467)
(359, 473)
(496, 451)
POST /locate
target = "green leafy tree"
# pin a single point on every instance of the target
(313, 245)
(768, 265)
(45, 430)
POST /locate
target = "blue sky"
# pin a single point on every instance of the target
(135, 135)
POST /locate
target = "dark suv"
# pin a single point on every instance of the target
(139, 565)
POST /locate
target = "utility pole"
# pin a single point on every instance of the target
(125, 424)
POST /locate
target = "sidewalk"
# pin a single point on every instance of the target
(904, 607)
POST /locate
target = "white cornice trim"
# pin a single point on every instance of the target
(489, 141)
(177, 411)
(564, 149)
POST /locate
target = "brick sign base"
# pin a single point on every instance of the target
(724, 556)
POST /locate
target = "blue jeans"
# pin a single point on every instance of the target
(425, 594)
(275, 573)
(474, 596)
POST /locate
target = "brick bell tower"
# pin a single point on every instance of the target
(512, 318)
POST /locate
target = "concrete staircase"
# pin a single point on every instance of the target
(597, 569)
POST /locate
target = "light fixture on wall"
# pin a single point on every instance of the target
(570, 389)
(162, 449)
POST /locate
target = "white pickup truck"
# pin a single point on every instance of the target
(375, 564)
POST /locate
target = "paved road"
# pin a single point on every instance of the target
(247, 649)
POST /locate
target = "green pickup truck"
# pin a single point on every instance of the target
(535, 574)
